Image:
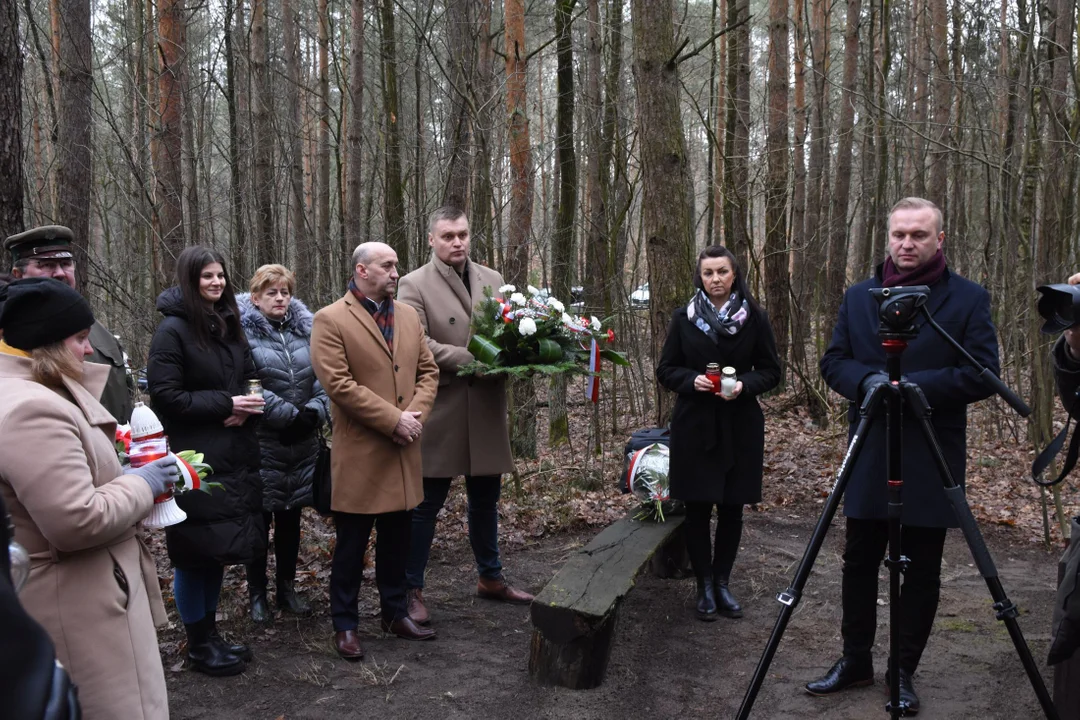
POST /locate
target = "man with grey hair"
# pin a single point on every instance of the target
(853, 365)
(46, 252)
(369, 353)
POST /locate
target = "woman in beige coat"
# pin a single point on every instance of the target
(93, 585)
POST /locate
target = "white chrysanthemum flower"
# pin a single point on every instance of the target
(527, 326)
(507, 289)
(556, 305)
(517, 299)
(594, 322)
(567, 320)
(533, 291)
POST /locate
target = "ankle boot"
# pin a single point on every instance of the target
(207, 657)
(256, 580)
(238, 649)
(706, 603)
(726, 604)
(288, 600)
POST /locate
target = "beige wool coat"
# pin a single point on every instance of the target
(369, 387)
(467, 433)
(93, 585)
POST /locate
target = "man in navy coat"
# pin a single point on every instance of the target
(853, 363)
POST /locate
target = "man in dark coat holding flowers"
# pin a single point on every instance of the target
(853, 364)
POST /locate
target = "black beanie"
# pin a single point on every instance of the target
(42, 311)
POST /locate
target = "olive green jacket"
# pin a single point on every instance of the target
(119, 389)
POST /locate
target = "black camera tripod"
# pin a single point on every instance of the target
(897, 309)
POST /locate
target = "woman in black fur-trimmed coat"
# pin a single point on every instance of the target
(278, 329)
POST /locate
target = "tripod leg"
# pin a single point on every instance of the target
(790, 597)
(1006, 610)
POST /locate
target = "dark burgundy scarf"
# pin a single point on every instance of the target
(926, 274)
(383, 317)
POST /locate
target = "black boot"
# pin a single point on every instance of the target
(726, 604)
(256, 580)
(706, 599)
(239, 650)
(207, 657)
(288, 600)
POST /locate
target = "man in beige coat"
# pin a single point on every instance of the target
(369, 353)
(467, 433)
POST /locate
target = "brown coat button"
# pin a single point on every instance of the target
(396, 368)
(400, 399)
(452, 321)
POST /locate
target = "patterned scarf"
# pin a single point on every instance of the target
(383, 317)
(727, 320)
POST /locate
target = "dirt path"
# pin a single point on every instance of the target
(665, 662)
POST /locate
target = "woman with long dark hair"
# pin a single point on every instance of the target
(717, 438)
(197, 374)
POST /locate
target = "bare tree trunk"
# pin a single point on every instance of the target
(323, 162)
(562, 246)
(597, 283)
(777, 257)
(665, 202)
(236, 196)
(463, 58)
(262, 102)
(941, 129)
(74, 133)
(306, 249)
(11, 169)
(720, 54)
(353, 221)
(482, 195)
(737, 138)
(523, 435)
(836, 277)
(395, 225)
(800, 318)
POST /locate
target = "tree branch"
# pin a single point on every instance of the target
(677, 60)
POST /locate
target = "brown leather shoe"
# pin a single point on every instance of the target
(347, 643)
(407, 629)
(501, 591)
(417, 611)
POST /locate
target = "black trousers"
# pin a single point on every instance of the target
(286, 550)
(347, 567)
(866, 544)
(718, 560)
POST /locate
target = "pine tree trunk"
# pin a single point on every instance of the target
(395, 225)
(168, 160)
(737, 136)
(777, 257)
(74, 131)
(263, 138)
(11, 169)
(298, 226)
(355, 136)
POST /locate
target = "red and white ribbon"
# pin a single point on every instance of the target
(592, 388)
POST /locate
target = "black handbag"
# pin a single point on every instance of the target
(320, 481)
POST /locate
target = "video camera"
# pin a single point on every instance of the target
(1059, 305)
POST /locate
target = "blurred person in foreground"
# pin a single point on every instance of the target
(467, 433)
(278, 329)
(371, 357)
(92, 584)
(47, 252)
(717, 440)
(853, 364)
(197, 373)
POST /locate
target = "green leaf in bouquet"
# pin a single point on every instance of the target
(485, 351)
(549, 351)
(615, 357)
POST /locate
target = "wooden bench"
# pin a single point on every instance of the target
(574, 616)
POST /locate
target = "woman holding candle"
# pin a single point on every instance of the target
(717, 437)
(278, 329)
(197, 374)
(92, 582)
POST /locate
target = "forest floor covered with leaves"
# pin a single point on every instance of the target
(665, 663)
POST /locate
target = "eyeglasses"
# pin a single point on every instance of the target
(51, 265)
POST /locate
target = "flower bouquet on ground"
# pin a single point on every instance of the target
(519, 336)
(647, 478)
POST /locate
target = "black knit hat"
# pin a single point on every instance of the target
(42, 311)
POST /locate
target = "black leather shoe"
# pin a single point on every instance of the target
(726, 604)
(706, 599)
(260, 611)
(207, 657)
(844, 674)
(239, 650)
(289, 601)
(909, 701)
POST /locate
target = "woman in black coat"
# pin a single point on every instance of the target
(717, 442)
(278, 330)
(197, 374)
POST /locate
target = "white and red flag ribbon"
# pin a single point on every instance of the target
(592, 387)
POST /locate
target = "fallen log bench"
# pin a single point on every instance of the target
(574, 616)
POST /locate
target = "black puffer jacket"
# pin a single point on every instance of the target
(191, 389)
(282, 353)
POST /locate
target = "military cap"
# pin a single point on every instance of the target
(40, 243)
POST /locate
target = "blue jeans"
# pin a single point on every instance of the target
(483, 496)
(196, 592)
